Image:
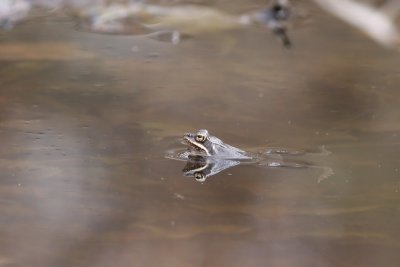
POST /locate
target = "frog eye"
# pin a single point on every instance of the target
(199, 176)
(201, 138)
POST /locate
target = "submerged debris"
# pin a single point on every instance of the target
(170, 23)
(377, 23)
(173, 21)
(276, 17)
(160, 22)
(12, 11)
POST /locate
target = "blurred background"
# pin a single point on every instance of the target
(94, 93)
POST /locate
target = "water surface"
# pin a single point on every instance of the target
(86, 119)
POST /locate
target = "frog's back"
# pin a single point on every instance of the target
(225, 151)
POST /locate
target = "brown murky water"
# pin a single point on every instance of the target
(86, 119)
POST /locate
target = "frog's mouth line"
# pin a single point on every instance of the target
(196, 146)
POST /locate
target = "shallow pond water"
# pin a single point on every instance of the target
(86, 121)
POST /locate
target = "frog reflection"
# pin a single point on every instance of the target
(200, 167)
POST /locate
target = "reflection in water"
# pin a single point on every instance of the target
(202, 167)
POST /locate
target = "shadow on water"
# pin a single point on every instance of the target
(85, 122)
